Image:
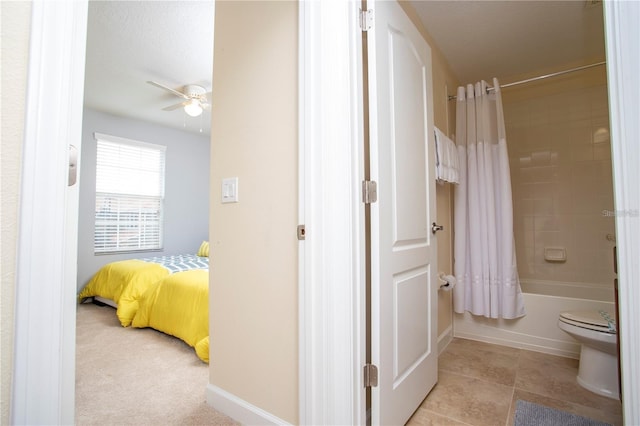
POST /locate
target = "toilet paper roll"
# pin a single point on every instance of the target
(449, 282)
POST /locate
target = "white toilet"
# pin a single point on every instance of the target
(596, 331)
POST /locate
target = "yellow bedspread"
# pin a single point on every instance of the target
(179, 305)
(124, 282)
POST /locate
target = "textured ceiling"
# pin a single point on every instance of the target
(130, 42)
(486, 39)
(171, 42)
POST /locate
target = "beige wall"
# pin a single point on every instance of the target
(254, 297)
(444, 84)
(16, 25)
(560, 155)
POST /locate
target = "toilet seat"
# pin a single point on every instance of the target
(592, 320)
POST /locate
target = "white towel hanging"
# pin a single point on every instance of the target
(446, 158)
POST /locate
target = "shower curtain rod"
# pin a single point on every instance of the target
(528, 80)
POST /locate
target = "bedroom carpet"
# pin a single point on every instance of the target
(127, 376)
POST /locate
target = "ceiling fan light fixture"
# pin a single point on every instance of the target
(193, 108)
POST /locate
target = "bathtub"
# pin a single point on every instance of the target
(538, 329)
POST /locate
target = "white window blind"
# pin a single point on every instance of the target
(129, 195)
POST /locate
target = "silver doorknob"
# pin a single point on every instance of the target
(435, 228)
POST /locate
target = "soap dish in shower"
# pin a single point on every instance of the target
(555, 254)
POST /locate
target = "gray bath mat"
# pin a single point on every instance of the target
(530, 414)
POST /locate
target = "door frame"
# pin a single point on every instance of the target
(623, 68)
(331, 258)
(43, 389)
(63, 26)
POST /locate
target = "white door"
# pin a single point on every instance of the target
(403, 276)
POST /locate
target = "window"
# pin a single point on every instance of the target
(129, 195)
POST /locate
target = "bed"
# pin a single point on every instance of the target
(178, 305)
(167, 293)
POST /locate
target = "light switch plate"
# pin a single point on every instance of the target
(230, 190)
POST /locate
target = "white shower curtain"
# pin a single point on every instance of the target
(484, 250)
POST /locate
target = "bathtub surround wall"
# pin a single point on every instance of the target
(560, 154)
(567, 289)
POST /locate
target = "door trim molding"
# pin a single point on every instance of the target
(623, 67)
(331, 258)
(44, 348)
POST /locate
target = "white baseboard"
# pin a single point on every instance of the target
(444, 339)
(239, 409)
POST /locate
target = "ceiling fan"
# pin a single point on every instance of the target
(195, 98)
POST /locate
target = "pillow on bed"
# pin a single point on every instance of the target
(203, 251)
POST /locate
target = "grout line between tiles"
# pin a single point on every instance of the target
(513, 394)
(479, 378)
(446, 417)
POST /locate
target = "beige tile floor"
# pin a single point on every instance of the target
(479, 384)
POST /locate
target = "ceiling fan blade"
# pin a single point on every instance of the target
(204, 101)
(168, 89)
(176, 106)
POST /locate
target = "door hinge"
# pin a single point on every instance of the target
(370, 376)
(369, 191)
(366, 19)
(302, 232)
